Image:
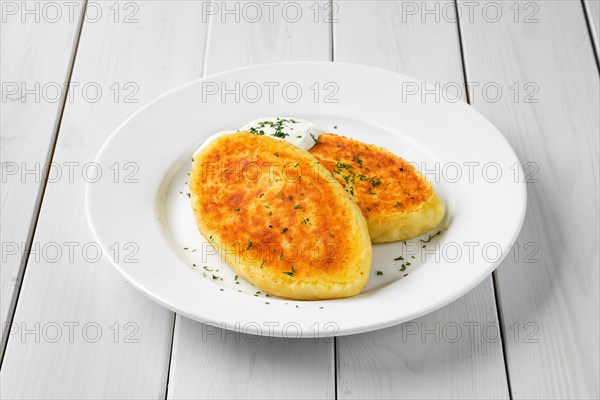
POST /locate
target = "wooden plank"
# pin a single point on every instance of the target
(213, 363)
(119, 342)
(28, 42)
(423, 358)
(208, 362)
(592, 9)
(550, 298)
(293, 34)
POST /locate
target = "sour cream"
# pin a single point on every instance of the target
(299, 132)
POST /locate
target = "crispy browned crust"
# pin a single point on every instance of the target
(268, 207)
(397, 202)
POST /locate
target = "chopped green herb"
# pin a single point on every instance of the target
(431, 237)
(375, 181)
(291, 273)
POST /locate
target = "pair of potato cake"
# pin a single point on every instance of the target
(299, 224)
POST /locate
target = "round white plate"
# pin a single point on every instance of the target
(142, 216)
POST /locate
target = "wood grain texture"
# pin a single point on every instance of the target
(592, 8)
(34, 55)
(207, 366)
(212, 363)
(424, 358)
(164, 48)
(291, 31)
(549, 293)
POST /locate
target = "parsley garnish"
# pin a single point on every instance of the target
(431, 237)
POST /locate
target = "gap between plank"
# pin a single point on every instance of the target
(462, 52)
(42, 189)
(494, 277)
(202, 73)
(589, 22)
(170, 357)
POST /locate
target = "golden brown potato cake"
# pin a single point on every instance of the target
(397, 202)
(278, 218)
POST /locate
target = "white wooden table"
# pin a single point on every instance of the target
(72, 328)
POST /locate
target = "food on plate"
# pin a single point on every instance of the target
(397, 202)
(277, 217)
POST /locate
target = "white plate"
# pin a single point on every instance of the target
(143, 220)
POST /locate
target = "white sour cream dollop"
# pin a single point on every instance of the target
(299, 132)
